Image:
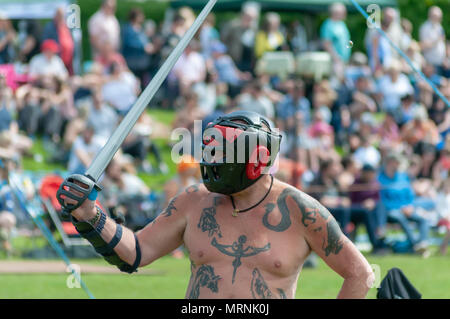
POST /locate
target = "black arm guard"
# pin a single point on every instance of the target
(107, 249)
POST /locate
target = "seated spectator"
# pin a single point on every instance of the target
(106, 56)
(254, 99)
(121, 182)
(58, 31)
(102, 117)
(120, 89)
(189, 113)
(325, 189)
(294, 102)
(420, 131)
(397, 196)
(388, 133)
(138, 144)
(393, 86)
(83, 151)
(12, 142)
(48, 62)
(366, 208)
(208, 93)
(405, 112)
(190, 68)
(367, 154)
(227, 71)
(351, 170)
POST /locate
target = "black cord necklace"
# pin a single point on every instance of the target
(237, 211)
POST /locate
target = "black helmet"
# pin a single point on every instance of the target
(248, 145)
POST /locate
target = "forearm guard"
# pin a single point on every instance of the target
(92, 234)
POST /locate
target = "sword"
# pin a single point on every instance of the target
(104, 157)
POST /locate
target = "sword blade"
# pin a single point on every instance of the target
(108, 151)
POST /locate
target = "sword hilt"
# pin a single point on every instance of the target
(82, 184)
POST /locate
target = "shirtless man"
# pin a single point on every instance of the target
(247, 233)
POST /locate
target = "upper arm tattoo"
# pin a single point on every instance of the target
(334, 243)
(311, 211)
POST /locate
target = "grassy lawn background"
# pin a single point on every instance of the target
(431, 277)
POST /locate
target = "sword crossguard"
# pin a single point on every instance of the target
(88, 190)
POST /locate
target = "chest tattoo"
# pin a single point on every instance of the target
(208, 222)
(238, 251)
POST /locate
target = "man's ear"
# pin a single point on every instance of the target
(258, 161)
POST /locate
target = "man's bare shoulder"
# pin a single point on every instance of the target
(191, 194)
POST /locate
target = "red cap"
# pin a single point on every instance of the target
(50, 45)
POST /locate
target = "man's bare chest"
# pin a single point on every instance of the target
(267, 236)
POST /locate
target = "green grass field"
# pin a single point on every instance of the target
(430, 276)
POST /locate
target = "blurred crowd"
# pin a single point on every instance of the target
(370, 141)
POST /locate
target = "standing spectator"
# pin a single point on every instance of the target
(336, 36)
(48, 63)
(7, 37)
(378, 48)
(269, 38)
(394, 31)
(136, 48)
(239, 37)
(397, 196)
(208, 36)
(174, 36)
(58, 31)
(297, 37)
(30, 38)
(432, 38)
(104, 27)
